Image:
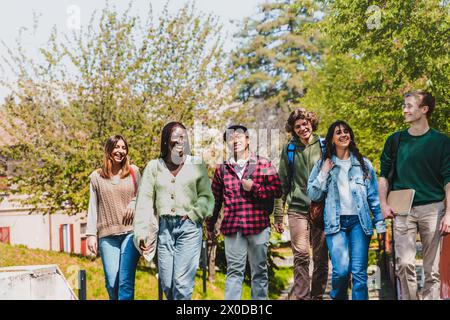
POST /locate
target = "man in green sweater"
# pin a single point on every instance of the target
(422, 164)
(298, 158)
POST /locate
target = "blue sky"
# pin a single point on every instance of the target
(19, 13)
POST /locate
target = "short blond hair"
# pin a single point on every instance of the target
(425, 99)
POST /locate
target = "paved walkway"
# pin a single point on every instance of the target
(374, 294)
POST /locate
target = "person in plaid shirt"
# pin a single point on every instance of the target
(247, 185)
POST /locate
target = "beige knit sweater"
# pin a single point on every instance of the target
(108, 203)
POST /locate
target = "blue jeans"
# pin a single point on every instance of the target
(119, 258)
(349, 252)
(237, 247)
(179, 247)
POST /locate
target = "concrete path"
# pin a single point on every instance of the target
(374, 294)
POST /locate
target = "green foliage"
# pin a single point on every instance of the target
(373, 259)
(119, 75)
(277, 48)
(354, 62)
(369, 65)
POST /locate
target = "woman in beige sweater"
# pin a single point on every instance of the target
(176, 189)
(110, 218)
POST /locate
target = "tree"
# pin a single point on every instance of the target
(374, 56)
(277, 49)
(123, 75)
(344, 59)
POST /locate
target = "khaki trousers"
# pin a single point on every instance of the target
(424, 220)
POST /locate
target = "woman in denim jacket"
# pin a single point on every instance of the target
(348, 183)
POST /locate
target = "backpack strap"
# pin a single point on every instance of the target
(222, 170)
(291, 148)
(251, 167)
(290, 153)
(133, 177)
(323, 147)
(394, 151)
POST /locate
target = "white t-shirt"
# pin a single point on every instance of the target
(343, 182)
(239, 166)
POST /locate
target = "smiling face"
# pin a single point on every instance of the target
(178, 142)
(119, 152)
(411, 110)
(341, 137)
(238, 141)
(303, 129)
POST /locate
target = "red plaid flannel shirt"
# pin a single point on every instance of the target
(244, 211)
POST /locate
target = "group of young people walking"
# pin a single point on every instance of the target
(163, 212)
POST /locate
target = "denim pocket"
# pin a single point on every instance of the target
(361, 184)
(262, 237)
(165, 231)
(191, 222)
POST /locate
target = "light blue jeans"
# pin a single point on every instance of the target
(349, 252)
(179, 247)
(119, 258)
(237, 247)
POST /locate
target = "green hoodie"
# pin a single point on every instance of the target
(304, 162)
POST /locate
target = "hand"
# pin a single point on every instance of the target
(327, 166)
(128, 217)
(279, 227)
(444, 227)
(143, 246)
(387, 212)
(212, 235)
(247, 184)
(92, 244)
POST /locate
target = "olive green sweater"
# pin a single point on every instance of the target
(305, 157)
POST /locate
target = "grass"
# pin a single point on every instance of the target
(281, 281)
(146, 283)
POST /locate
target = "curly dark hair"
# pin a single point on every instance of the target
(331, 149)
(301, 113)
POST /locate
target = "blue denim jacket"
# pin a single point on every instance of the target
(364, 192)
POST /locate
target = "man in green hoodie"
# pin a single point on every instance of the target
(297, 159)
